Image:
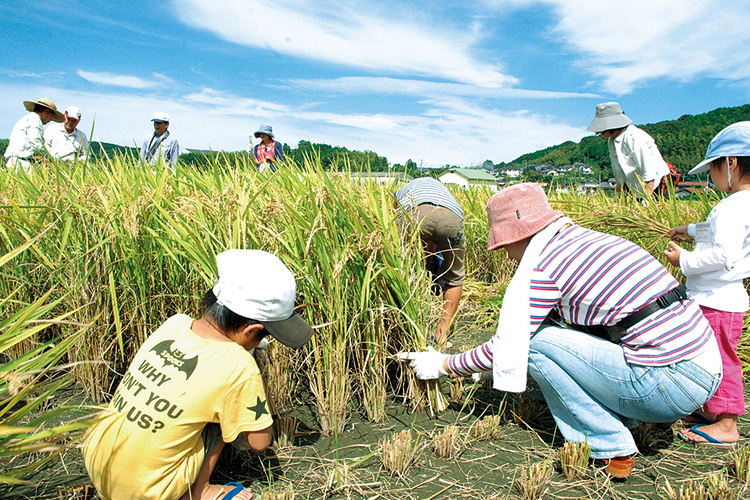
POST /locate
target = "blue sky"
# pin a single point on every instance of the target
(434, 81)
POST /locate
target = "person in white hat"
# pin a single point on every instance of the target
(607, 333)
(714, 272)
(193, 386)
(26, 143)
(637, 164)
(65, 141)
(160, 145)
(268, 154)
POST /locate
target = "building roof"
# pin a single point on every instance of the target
(473, 174)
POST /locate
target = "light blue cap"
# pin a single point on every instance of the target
(265, 129)
(732, 141)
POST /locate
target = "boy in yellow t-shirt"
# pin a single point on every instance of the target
(193, 386)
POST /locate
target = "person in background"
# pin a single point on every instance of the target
(160, 144)
(193, 386)
(714, 273)
(637, 165)
(268, 153)
(26, 143)
(607, 333)
(65, 141)
(440, 220)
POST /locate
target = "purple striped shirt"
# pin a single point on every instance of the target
(593, 278)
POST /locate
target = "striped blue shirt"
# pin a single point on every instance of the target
(593, 278)
(427, 190)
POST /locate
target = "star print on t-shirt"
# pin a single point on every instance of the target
(259, 408)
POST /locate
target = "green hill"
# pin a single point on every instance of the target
(682, 141)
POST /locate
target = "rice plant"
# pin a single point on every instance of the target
(447, 443)
(534, 480)
(740, 461)
(574, 459)
(398, 452)
(285, 429)
(276, 492)
(487, 428)
(713, 487)
(30, 379)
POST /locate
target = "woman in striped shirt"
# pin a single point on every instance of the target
(607, 333)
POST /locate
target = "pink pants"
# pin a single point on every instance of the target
(729, 397)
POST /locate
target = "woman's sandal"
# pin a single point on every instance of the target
(618, 467)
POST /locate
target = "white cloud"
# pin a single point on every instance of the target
(111, 79)
(350, 34)
(422, 88)
(631, 44)
(450, 130)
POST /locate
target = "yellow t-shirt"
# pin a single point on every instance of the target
(148, 444)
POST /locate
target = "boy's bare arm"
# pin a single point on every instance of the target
(259, 440)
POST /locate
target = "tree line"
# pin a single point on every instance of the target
(682, 142)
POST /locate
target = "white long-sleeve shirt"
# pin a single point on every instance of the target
(65, 146)
(26, 140)
(636, 159)
(721, 258)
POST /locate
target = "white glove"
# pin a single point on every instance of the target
(482, 376)
(264, 342)
(426, 365)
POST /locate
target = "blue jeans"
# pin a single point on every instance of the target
(596, 396)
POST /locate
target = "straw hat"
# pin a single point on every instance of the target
(47, 103)
(518, 212)
(734, 140)
(609, 116)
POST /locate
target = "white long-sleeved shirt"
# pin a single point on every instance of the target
(593, 278)
(636, 159)
(63, 145)
(26, 138)
(714, 270)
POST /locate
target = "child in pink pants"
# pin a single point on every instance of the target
(714, 271)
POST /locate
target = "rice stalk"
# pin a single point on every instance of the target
(487, 428)
(534, 480)
(276, 492)
(713, 487)
(574, 459)
(285, 430)
(446, 444)
(398, 452)
(740, 460)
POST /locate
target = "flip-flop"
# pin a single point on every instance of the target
(709, 440)
(698, 418)
(233, 492)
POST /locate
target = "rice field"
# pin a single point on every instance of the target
(95, 257)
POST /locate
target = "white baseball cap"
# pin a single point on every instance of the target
(160, 116)
(73, 112)
(257, 285)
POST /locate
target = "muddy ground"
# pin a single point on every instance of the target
(348, 466)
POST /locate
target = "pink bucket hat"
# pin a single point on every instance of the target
(517, 212)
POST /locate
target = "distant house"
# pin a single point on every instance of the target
(466, 177)
(512, 173)
(191, 150)
(381, 177)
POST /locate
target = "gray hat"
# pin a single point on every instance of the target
(609, 116)
(265, 129)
